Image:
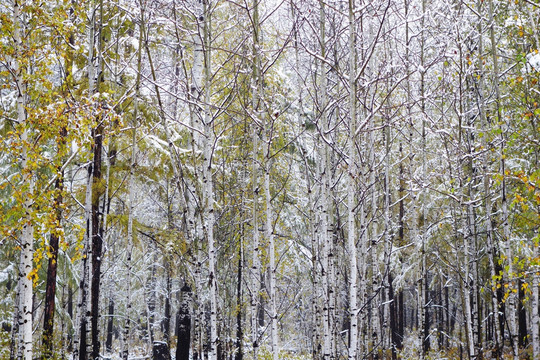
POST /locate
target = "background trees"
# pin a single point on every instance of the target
(252, 179)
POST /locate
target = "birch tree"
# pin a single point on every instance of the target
(25, 285)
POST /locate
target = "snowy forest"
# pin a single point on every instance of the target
(269, 179)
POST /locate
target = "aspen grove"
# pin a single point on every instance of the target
(269, 179)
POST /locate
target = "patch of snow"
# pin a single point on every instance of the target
(512, 21)
(134, 43)
(4, 274)
(534, 61)
(158, 144)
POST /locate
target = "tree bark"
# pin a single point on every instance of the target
(208, 216)
(131, 192)
(535, 339)
(323, 210)
(522, 317)
(183, 322)
(110, 324)
(25, 285)
(351, 188)
(50, 290)
(256, 99)
(97, 240)
(167, 314)
(239, 355)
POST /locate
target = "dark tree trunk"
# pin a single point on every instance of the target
(70, 313)
(110, 326)
(480, 332)
(414, 320)
(440, 317)
(522, 317)
(50, 291)
(401, 320)
(490, 334)
(184, 325)
(500, 297)
(260, 309)
(427, 320)
(160, 351)
(220, 352)
(97, 239)
(167, 317)
(447, 312)
(82, 344)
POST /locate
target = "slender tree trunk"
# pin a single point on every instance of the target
(423, 282)
(152, 297)
(535, 317)
(111, 159)
(324, 172)
(167, 307)
(110, 324)
(131, 194)
(467, 277)
(239, 301)
(401, 224)
(25, 286)
(13, 345)
(393, 317)
(255, 264)
(388, 303)
(351, 188)
(80, 335)
(208, 217)
(511, 300)
(535, 340)
(499, 328)
(267, 142)
(97, 241)
(522, 316)
(81, 339)
(257, 93)
(267, 138)
(183, 321)
(498, 343)
(50, 290)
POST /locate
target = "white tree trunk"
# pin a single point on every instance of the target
(422, 281)
(255, 264)
(255, 102)
(271, 244)
(351, 188)
(208, 183)
(467, 288)
(130, 202)
(208, 225)
(324, 178)
(25, 285)
(374, 282)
